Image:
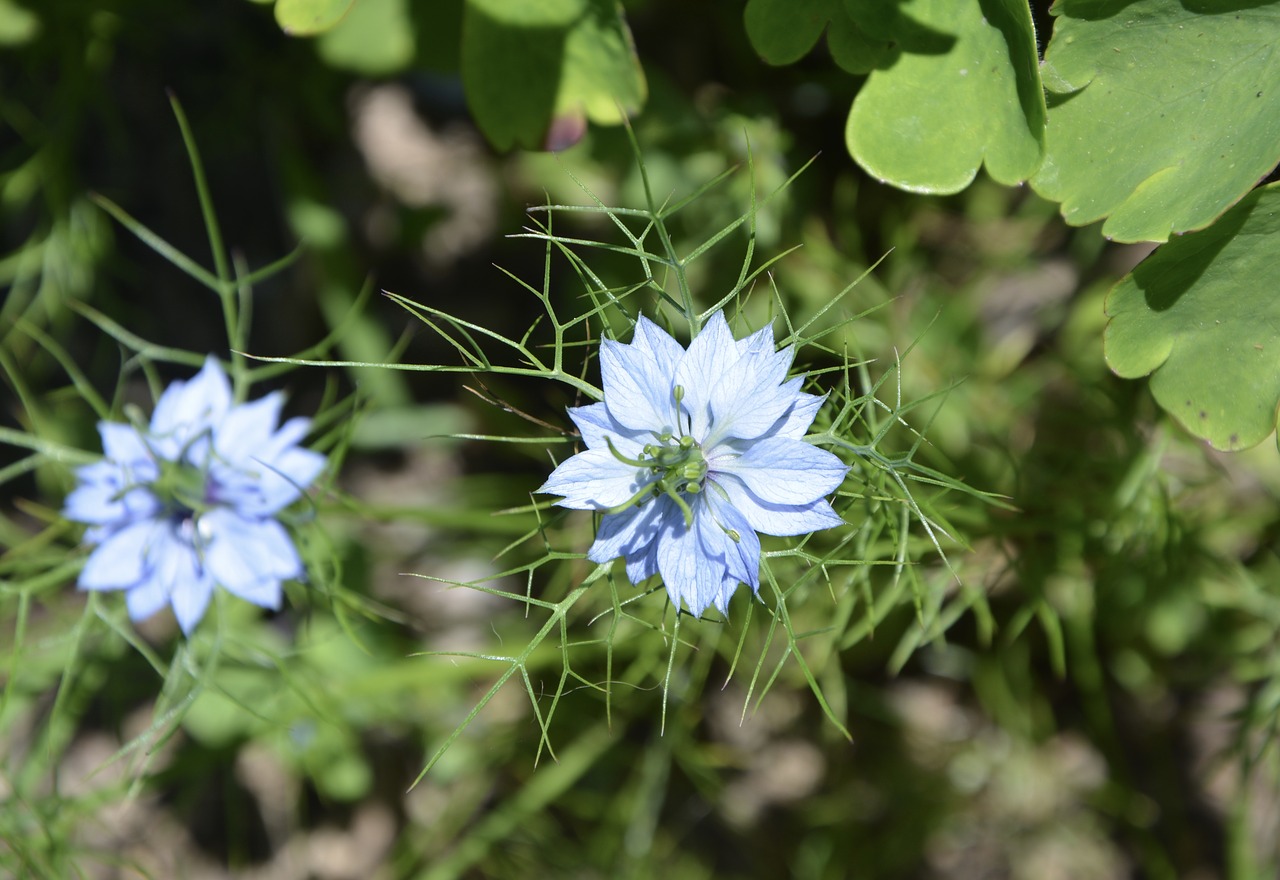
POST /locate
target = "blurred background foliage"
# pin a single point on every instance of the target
(1109, 711)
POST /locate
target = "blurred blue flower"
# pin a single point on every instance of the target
(190, 501)
(691, 453)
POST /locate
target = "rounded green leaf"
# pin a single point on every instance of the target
(784, 31)
(306, 18)
(854, 50)
(601, 73)
(1202, 315)
(535, 72)
(964, 92)
(18, 25)
(532, 13)
(375, 39)
(1162, 112)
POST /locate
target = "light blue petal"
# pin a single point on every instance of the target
(121, 443)
(637, 392)
(92, 503)
(595, 480)
(248, 557)
(174, 568)
(265, 593)
(631, 532)
(756, 344)
(291, 432)
(728, 587)
(595, 425)
(689, 573)
(778, 519)
(783, 471)
(99, 504)
(798, 419)
(246, 430)
(97, 534)
(741, 558)
(194, 448)
(642, 564)
(187, 409)
(160, 565)
(120, 561)
(146, 598)
(101, 497)
(287, 469)
(679, 562)
(749, 400)
(656, 342)
(290, 474)
(258, 469)
(279, 442)
(192, 590)
(747, 396)
(100, 472)
(268, 485)
(712, 352)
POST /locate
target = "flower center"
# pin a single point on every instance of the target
(680, 464)
(681, 470)
(182, 491)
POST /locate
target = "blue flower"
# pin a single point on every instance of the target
(190, 501)
(691, 453)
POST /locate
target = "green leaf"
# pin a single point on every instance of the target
(965, 92)
(784, 31)
(375, 39)
(533, 13)
(1202, 315)
(18, 25)
(536, 71)
(306, 18)
(1162, 112)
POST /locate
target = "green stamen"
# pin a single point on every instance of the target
(634, 462)
(181, 487)
(676, 461)
(635, 499)
(681, 503)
